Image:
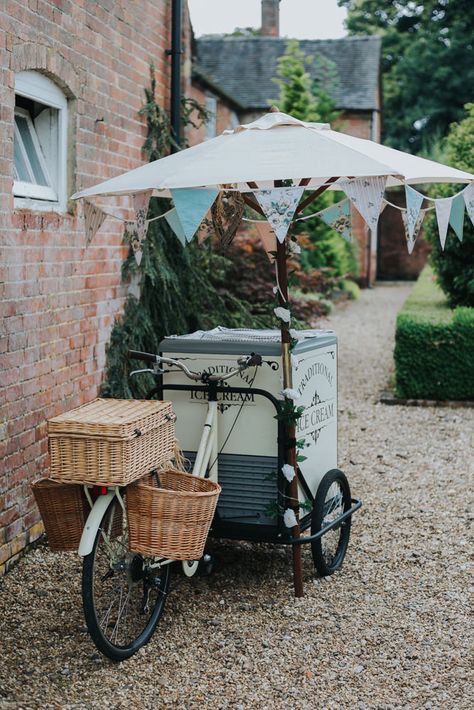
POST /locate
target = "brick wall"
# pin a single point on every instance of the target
(59, 299)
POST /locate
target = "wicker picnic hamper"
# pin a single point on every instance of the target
(170, 513)
(111, 441)
(64, 509)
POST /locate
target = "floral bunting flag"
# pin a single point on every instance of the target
(411, 237)
(468, 193)
(141, 201)
(191, 206)
(93, 219)
(267, 237)
(414, 200)
(173, 221)
(279, 205)
(366, 195)
(338, 217)
(456, 216)
(443, 211)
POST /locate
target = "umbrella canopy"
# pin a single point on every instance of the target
(276, 147)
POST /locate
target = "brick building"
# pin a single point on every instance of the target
(72, 81)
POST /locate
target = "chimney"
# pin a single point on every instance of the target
(270, 18)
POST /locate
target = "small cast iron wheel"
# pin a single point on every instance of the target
(123, 596)
(332, 499)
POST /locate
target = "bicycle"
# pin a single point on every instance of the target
(124, 593)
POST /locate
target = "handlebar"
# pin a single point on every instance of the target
(244, 362)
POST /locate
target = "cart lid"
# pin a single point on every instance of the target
(241, 341)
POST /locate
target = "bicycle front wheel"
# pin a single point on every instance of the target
(123, 593)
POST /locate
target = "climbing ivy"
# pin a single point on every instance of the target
(181, 289)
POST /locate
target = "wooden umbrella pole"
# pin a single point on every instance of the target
(282, 275)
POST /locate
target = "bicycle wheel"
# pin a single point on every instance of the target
(123, 595)
(332, 499)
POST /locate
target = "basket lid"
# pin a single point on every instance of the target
(112, 418)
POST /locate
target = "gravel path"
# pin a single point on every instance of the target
(393, 629)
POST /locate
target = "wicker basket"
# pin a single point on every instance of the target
(64, 510)
(172, 520)
(111, 441)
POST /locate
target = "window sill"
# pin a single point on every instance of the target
(29, 203)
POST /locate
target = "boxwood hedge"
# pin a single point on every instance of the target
(434, 346)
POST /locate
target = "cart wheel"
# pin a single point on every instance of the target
(123, 593)
(333, 498)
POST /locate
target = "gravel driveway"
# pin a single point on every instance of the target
(393, 629)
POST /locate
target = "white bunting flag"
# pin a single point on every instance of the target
(366, 194)
(268, 238)
(443, 211)
(468, 194)
(411, 238)
(456, 216)
(173, 221)
(141, 200)
(191, 206)
(338, 217)
(93, 219)
(414, 200)
(279, 206)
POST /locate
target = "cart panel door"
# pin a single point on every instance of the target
(315, 379)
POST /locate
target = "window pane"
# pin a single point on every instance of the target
(31, 151)
(20, 166)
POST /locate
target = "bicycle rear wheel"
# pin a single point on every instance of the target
(123, 594)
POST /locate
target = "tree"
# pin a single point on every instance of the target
(309, 100)
(427, 68)
(455, 265)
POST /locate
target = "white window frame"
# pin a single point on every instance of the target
(37, 87)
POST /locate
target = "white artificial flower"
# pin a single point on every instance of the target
(288, 471)
(282, 313)
(297, 334)
(275, 289)
(289, 518)
(294, 361)
(290, 394)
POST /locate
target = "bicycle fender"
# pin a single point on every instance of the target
(92, 523)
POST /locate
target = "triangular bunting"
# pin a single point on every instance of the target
(414, 200)
(456, 216)
(93, 219)
(191, 205)
(267, 237)
(443, 210)
(366, 195)
(141, 201)
(411, 238)
(468, 194)
(279, 206)
(173, 221)
(338, 217)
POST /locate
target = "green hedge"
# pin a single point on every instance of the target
(434, 346)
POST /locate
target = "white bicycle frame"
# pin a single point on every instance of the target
(206, 456)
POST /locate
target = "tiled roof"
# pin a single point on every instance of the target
(244, 68)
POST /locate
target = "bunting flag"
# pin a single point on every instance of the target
(411, 237)
(414, 200)
(268, 238)
(456, 216)
(338, 217)
(191, 206)
(443, 211)
(468, 193)
(93, 218)
(141, 201)
(366, 194)
(173, 221)
(279, 206)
